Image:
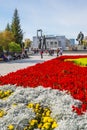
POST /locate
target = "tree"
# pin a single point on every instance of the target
(1, 49)
(5, 38)
(27, 43)
(8, 27)
(14, 47)
(16, 28)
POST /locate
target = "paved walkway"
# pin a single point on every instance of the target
(12, 66)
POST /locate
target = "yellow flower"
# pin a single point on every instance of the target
(48, 113)
(33, 122)
(37, 105)
(46, 125)
(10, 127)
(2, 95)
(45, 119)
(36, 110)
(6, 93)
(54, 125)
(30, 105)
(43, 114)
(1, 92)
(50, 120)
(47, 109)
(1, 113)
(38, 114)
(39, 125)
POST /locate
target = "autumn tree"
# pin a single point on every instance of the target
(16, 28)
(5, 38)
(27, 43)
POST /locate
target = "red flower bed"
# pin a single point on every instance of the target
(56, 74)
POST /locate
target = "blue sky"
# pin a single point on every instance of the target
(54, 17)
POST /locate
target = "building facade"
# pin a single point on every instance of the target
(52, 42)
(72, 41)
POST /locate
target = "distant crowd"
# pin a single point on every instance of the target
(6, 56)
(15, 56)
(50, 52)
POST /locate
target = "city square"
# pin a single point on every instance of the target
(43, 65)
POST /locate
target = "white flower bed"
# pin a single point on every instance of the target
(59, 103)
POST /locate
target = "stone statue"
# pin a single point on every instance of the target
(40, 43)
(42, 39)
(44, 42)
(80, 38)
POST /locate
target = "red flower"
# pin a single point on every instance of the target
(56, 74)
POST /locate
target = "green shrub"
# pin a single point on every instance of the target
(1, 49)
(14, 47)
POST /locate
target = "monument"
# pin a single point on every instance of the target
(42, 40)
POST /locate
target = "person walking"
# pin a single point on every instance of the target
(41, 53)
(58, 50)
(61, 51)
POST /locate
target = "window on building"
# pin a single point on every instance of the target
(55, 44)
(51, 44)
(59, 43)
